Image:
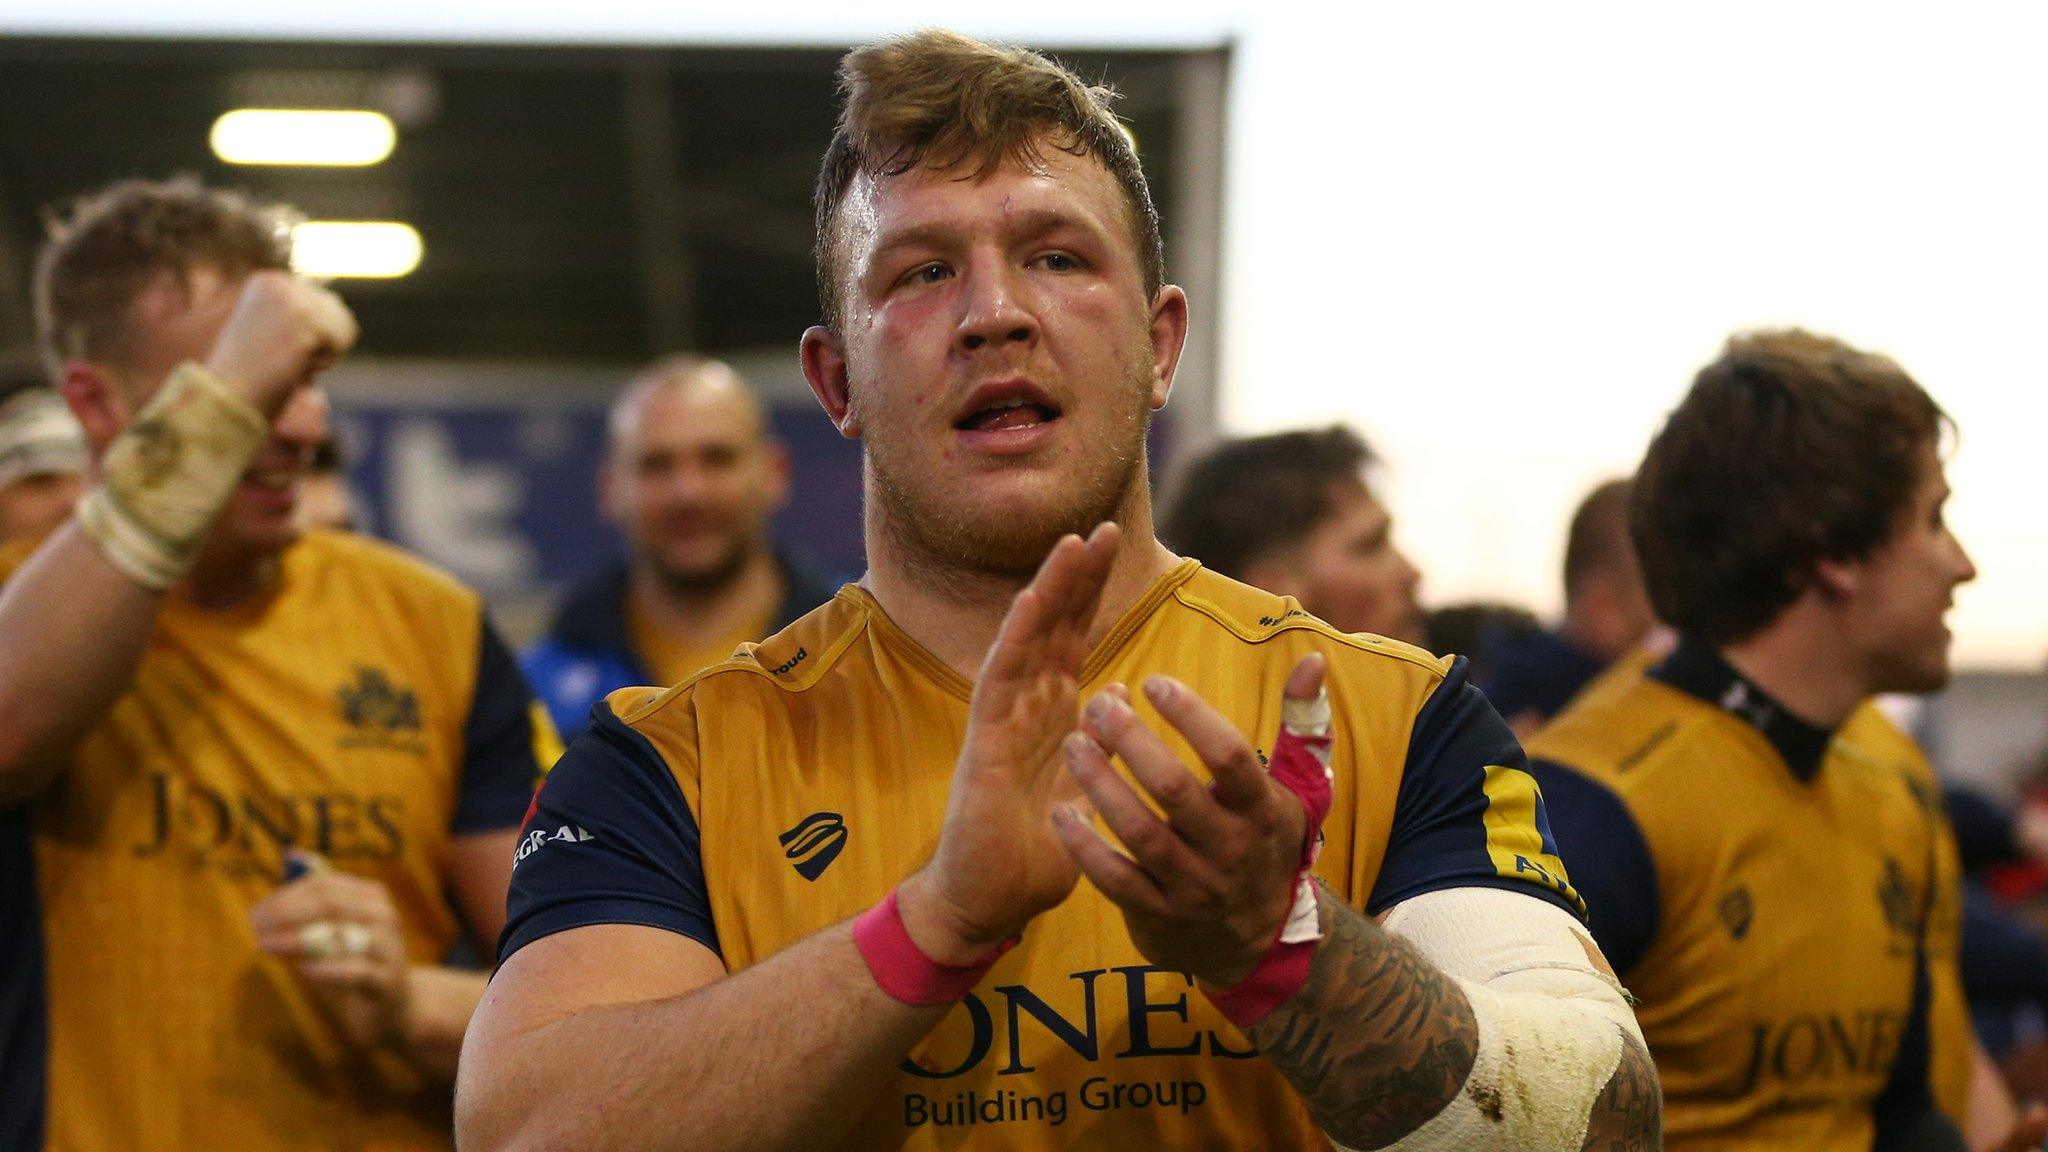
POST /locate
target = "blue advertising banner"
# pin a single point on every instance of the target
(505, 494)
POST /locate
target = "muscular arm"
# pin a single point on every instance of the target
(1380, 1040)
(72, 632)
(73, 626)
(624, 1037)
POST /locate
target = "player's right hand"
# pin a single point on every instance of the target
(999, 863)
(283, 332)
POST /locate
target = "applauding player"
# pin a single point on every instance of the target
(827, 894)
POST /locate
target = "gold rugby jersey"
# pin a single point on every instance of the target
(363, 709)
(1785, 902)
(794, 785)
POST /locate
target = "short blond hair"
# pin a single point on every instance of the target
(109, 245)
(939, 100)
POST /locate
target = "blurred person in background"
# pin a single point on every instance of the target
(325, 499)
(1475, 628)
(269, 775)
(42, 453)
(692, 478)
(1764, 853)
(1291, 513)
(1531, 675)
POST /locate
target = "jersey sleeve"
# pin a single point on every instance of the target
(507, 742)
(611, 840)
(1609, 858)
(1468, 814)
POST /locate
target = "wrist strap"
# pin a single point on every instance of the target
(902, 968)
(1280, 973)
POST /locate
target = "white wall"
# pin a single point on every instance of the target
(1500, 239)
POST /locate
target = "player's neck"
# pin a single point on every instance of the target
(1808, 676)
(700, 614)
(953, 611)
(217, 583)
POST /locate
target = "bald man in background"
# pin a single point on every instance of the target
(691, 478)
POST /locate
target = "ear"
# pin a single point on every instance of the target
(776, 463)
(824, 358)
(610, 492)
(1169, 336)
(95, 397)
(1837, 580)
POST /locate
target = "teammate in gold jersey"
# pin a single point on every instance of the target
(931, 755)
(1765, 855)
(266, 776)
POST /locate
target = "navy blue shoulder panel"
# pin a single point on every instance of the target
(499, 770)
(23, 1014)
(1462, 762)
(611, 840)
(1609, 859)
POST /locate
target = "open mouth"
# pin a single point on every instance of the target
(1006, 408)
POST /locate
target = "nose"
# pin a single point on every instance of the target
(994, 310)
(303, 423)
(1965, 570)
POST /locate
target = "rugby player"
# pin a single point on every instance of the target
(827, 894)
(1290, 512)
(1764, 854)
(268, 772)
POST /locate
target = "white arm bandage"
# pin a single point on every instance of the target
(1550, 1023)
(166, 478)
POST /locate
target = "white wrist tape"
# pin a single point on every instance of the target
(165, 479)
(1551, 1025)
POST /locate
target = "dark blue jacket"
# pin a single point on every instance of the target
(588, 649)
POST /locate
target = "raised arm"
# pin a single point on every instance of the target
(610, 1034)
(77, 617)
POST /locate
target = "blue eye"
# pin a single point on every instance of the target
(930, 273)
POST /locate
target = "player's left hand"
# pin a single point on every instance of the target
(340, 932)
(1205, 890)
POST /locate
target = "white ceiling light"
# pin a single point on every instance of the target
(333, 137)
(355, 249)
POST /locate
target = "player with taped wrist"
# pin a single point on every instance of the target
(292, 763)
(829, 893)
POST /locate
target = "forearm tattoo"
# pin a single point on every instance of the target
(1628, 1116)
(1378, 1041)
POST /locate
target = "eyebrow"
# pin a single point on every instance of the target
(1025, 222)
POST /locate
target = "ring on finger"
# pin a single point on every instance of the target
(321, 939)
(354, 939)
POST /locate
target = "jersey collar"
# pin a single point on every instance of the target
(1697, 670)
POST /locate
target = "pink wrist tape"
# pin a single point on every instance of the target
(1301, 763)
(903, 970)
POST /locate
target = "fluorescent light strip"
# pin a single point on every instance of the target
(355, 249)
(308, 136)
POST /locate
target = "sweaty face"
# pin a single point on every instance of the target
(694, 481)
(1906, 588)
(1000, 357)
(174, 324)
(1351, 575)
